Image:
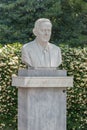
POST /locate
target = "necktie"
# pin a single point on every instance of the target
(46, 58)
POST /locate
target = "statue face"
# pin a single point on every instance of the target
(44, 32)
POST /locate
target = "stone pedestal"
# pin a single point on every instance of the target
(42, 99)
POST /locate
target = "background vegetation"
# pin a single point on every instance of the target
(74, 61)
(69, 19)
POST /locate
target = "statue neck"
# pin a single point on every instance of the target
(43, 44)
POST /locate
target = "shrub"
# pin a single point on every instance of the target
(9, 64)
(74, 61)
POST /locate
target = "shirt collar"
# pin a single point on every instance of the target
(42, 48)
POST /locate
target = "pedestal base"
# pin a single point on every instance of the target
(42, 99)
(41, 109)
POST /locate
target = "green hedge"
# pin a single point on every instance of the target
(74, 61)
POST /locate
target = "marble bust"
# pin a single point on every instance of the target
(40, 52)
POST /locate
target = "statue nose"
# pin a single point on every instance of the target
(46, 32)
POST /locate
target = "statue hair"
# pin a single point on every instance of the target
(38, 22)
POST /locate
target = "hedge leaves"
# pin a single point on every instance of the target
(74, 61)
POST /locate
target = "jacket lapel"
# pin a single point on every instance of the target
(51, 54)
(37, 54)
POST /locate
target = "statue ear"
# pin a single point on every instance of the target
(35, 32)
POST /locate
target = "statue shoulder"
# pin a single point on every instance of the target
(53, 46)
(29, 45)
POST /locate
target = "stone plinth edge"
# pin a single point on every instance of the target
(20, 81)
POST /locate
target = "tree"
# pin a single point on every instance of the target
(18, 17)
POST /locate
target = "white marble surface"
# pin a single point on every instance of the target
(42, 72)
(40, 52)
(20, 81)
(42, 100)
(41, 109)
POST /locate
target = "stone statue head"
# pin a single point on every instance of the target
(42, 29)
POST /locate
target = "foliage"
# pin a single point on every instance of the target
(74, 61)
(9, 63)
(17, 17)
